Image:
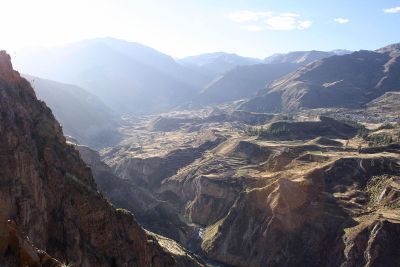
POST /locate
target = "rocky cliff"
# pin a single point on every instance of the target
(150, 212)
(50, 195)
(343, 214)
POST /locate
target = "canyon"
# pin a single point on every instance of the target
(260, 196)
(292, 161)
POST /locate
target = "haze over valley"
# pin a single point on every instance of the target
(200, 134)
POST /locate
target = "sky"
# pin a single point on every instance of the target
(180, 28)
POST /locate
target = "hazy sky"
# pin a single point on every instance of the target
(187, 27)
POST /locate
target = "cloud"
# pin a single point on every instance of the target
(288, 14)
(341, 20)
(252, 28)
(392, 10)
(267, 20)
(245, 15)
(287, 23)
(304, 24)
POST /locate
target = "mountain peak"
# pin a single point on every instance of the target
(302, 57)
(218, 62)
(390, 48)
(5, 63)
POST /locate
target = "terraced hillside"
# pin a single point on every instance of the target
(317, 194)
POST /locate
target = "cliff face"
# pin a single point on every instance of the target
(343, 214)
(17, 250)
(50, 194)
(149, 211)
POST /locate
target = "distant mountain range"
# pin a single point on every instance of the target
(131, 78)
(217, 63)
(245, 81)
(303, 57)
(350, 81)
(128, 77)
(242, 82)
(81, 114)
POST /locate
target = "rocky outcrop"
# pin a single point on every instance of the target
(50, 194)
(373, 243)
(16, 250)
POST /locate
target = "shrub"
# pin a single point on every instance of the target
(386, 126)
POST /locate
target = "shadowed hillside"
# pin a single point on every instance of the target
(243, 82)
(302, 57)
(81, 114)
(339, 81)
(246, 81)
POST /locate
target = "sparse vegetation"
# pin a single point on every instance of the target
(362, 131)
(242, 173)
(375, 187)
(279, 130)
(378, 140)
(382, 136)
(386, 126)
(122, 211)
